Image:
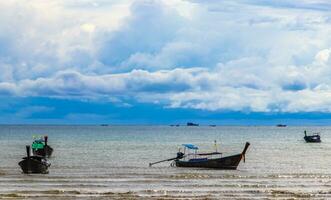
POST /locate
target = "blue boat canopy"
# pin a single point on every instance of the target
(190, 146)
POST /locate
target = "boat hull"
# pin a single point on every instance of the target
(33, 166)
(226, 163)
(312, 139)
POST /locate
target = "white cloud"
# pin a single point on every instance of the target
(89, 28)
(323, 55)
(224, 88)
(270, 56)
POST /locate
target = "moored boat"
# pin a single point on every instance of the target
(40, 147)
(34, 164)
(206, 160)
(315, 138)
(203, 160)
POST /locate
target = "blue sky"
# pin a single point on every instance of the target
(165, 61)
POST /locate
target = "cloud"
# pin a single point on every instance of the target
(150, 27)
(262, 56)
(7, 88)
(285, 89)
(323, 55)
(319, 5)
(27, 112)
(50, 36)
(72, 83)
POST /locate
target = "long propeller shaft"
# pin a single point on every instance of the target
(180, 155)
(170, 159)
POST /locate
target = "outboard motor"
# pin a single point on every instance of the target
(180, 155)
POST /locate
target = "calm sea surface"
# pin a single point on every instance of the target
(111, 162)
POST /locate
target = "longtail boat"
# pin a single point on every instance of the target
(40, 147)
(34, 164)
(206, 160)
(315, 138)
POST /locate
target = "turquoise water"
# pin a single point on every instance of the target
(112, 162)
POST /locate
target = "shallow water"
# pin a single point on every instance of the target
(112, 162)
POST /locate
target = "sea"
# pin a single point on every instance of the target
(112, 162)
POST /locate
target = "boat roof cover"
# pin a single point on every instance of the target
(190, 146)
(39, 140)
(37, 145)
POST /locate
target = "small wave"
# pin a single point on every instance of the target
(287, 193)
(303, 175)
(10, 195)
(60, 192)
(66, 193)
(190, 176)
(23, 193)
(324, 192)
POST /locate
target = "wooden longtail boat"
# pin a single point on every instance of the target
(34, 164)
(228, 162)
(315, 138)
(206, 160)
(40, 147)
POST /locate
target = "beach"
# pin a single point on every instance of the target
(111, 162)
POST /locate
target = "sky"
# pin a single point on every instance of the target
(165, 61)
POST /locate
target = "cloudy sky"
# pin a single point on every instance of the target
(165, 61)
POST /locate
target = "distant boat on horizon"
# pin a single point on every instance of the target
(281, 125)
(192, 124)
